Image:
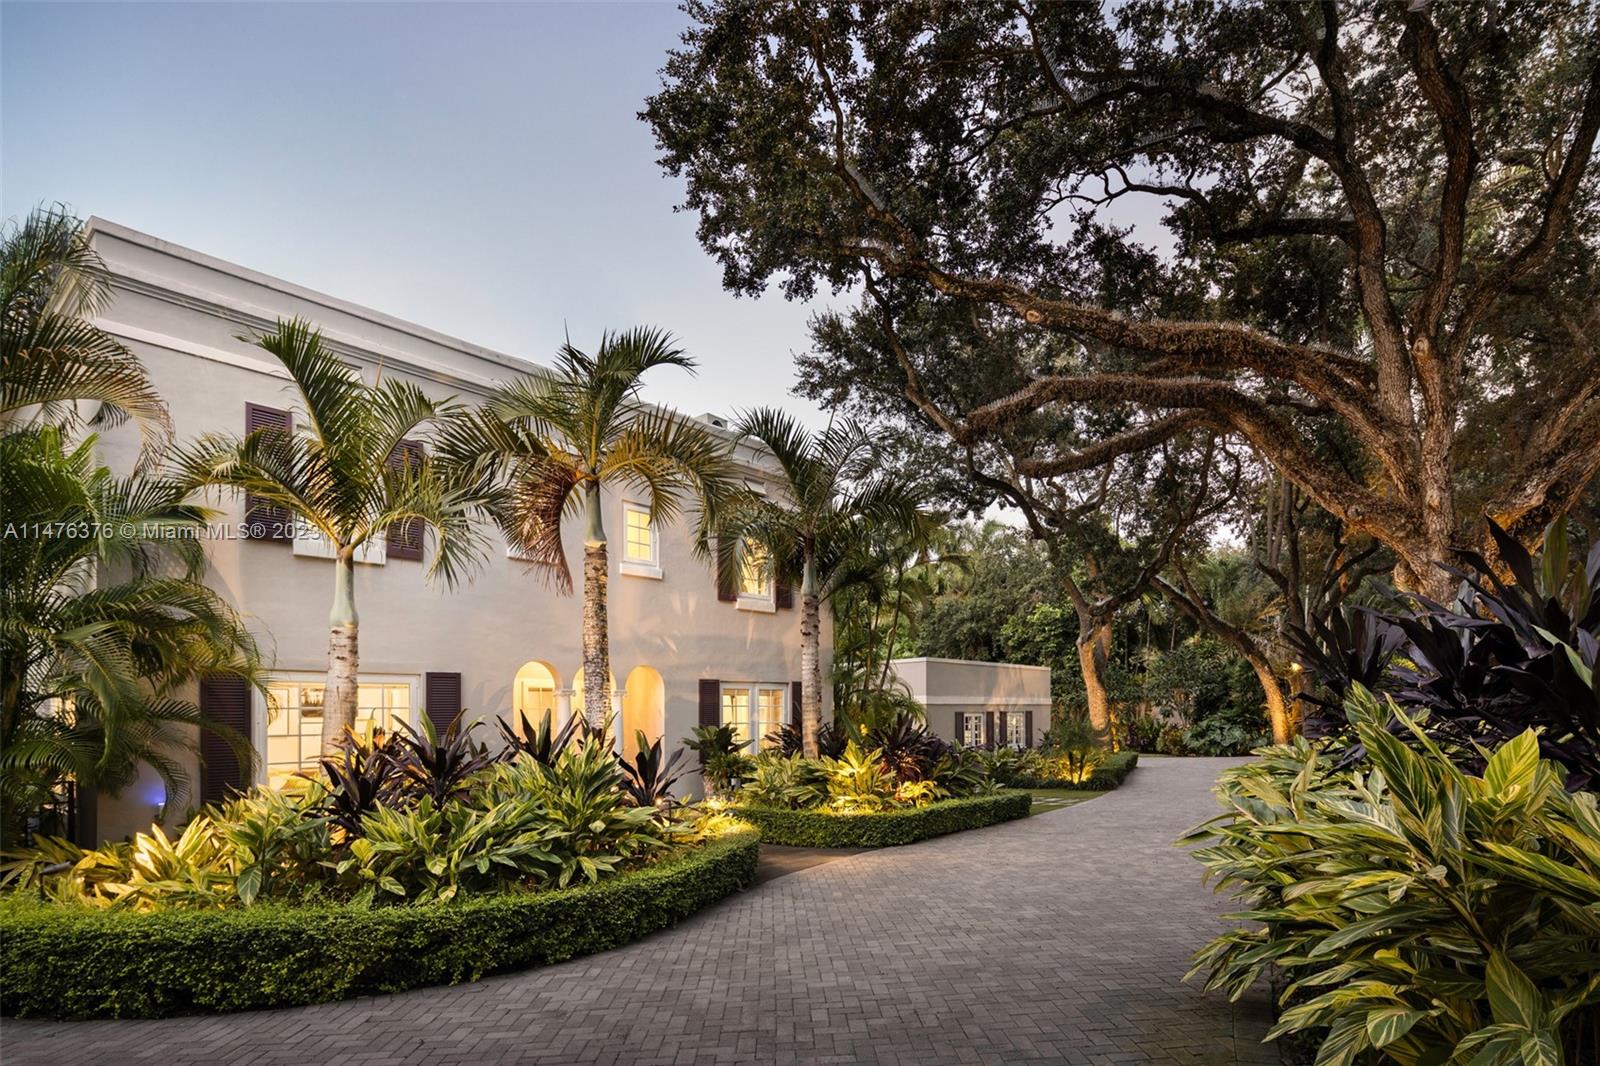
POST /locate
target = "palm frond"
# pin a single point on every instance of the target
(52, 359)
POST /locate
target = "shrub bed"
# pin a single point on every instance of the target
(882, 829)
(1105, 777)
(61, 962)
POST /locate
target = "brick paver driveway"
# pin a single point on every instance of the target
(1059, 938)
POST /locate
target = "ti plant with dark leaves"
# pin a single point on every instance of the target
(360, 777)
(831, 739)
(906, 747)
(440, 767)
(544, 743)
(649, 778)
(1512, 653)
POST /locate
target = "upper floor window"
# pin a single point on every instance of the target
(756, 585)
(641, 541)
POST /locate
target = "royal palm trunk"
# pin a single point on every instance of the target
(596, 635)
(339, 697)
(810, 673)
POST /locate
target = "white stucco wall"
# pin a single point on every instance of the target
(181, 312)
(950, 687)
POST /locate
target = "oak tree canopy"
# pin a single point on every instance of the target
(1377, 223)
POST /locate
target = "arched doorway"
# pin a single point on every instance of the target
(644, 706)
(533, 695)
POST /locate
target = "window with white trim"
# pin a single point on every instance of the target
(736, 711)
(293, 722)
(770, 705)
(754, 710)
(972, 729)
(641, 541)
(757, 590)
(1016, 733)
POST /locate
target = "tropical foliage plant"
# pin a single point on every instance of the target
(543, 743)
(411, 818)
(723, 761)
(859, 781)
(1419, 913)
(1512, 653)
(346, 474)
(788, 781)
(649, 777)
(104, 625)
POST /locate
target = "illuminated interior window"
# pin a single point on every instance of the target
(736, 711)
(1016, 729)
(294, 721)
(639, 535)
(769, 712)
(755, 571)
(754, 710)
(972, 730)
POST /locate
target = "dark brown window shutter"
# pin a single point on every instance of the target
(404, 539)
(224, 700)
(794, 704)
(960, 735)
(1027, 729)
(727, 589)
(441, 698)
(710, 702)
(990, 736)
(783, 593)
(264, 521)
(710, 706)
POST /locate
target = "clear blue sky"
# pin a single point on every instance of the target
(478, 169)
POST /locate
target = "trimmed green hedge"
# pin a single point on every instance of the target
(1107, 776)
(883, 829)
(60, 962)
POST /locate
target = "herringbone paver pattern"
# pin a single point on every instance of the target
(1060, 938)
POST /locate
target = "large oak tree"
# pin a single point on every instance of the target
(1380, 222)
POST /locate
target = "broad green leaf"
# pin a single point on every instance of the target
(1540, 1049)
(1388, 1024)
(1511, 769)
(1346, 1040)
(1513, 998)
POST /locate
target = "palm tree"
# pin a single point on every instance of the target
(56, 367)
(344, 472)
(103, 621)
(816, 529)
(552, 440)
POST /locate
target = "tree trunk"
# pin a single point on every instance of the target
(1277, 707)
(596, 633)
(344, 665)
(1092, 658)
(596, 639)
(810, 674)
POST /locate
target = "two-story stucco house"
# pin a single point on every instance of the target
(684, 651)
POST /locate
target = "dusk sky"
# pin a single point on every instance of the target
(477, 169)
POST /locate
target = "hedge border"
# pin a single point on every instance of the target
(59, 962)
(883, 829)
(1107, 776)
